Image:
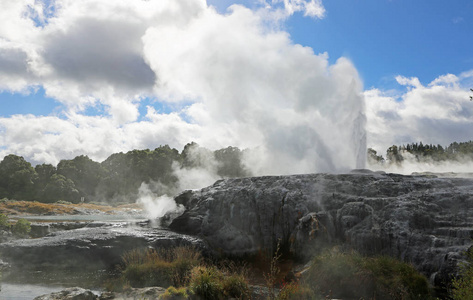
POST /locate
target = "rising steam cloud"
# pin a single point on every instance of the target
(155, 206)
(257, 89)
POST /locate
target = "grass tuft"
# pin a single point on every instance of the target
(152, 267)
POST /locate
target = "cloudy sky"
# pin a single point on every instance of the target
(308, 83)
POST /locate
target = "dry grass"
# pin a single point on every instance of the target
(162, 267)
(13, 207)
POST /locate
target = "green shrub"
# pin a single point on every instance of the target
(236, 286)
(462, 287)
(397, 279)
(172, 293)
(210, 282)
(206, 282)
(4, 221)
(350, 275)
(21, 228)
(179, 267)
(163, 267)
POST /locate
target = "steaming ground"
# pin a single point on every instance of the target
(410, 165)
(155, 206)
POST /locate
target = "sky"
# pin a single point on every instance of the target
(308, 84)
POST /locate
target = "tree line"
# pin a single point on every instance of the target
(116, 179)
(423, 153)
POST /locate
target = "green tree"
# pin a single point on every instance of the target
(84, 172)
(230, 162)
(393, 155)
(59, 188)
(125, 172)
(44, 171)
(373, 156)
(16, 178)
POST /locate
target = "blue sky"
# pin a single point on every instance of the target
(386, 38)
(106, 76)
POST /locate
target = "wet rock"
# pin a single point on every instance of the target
(74, 293)
(424, 220)
(88, 248)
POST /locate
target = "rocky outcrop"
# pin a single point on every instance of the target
(421, 219)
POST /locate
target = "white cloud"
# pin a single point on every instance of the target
(281, 9)
(439, 113)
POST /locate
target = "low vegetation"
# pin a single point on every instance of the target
(213, 283)
(350, 275)
(184, 271)
(332, 274)
(21, 228)
(152, 267)
(173, 293)
(462, 287)
(4, 224)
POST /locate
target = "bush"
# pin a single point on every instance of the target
(350, 275)
(159, 267)
(172, 293)
(397, 279)
(210, 282)
(21, 228)
(180, 267)
(4, 221)
(462, 287)
(206, 282)
(236, 286)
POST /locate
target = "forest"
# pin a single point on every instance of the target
(420, 152)
(117, 179)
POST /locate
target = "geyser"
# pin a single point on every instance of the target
(251, 87)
